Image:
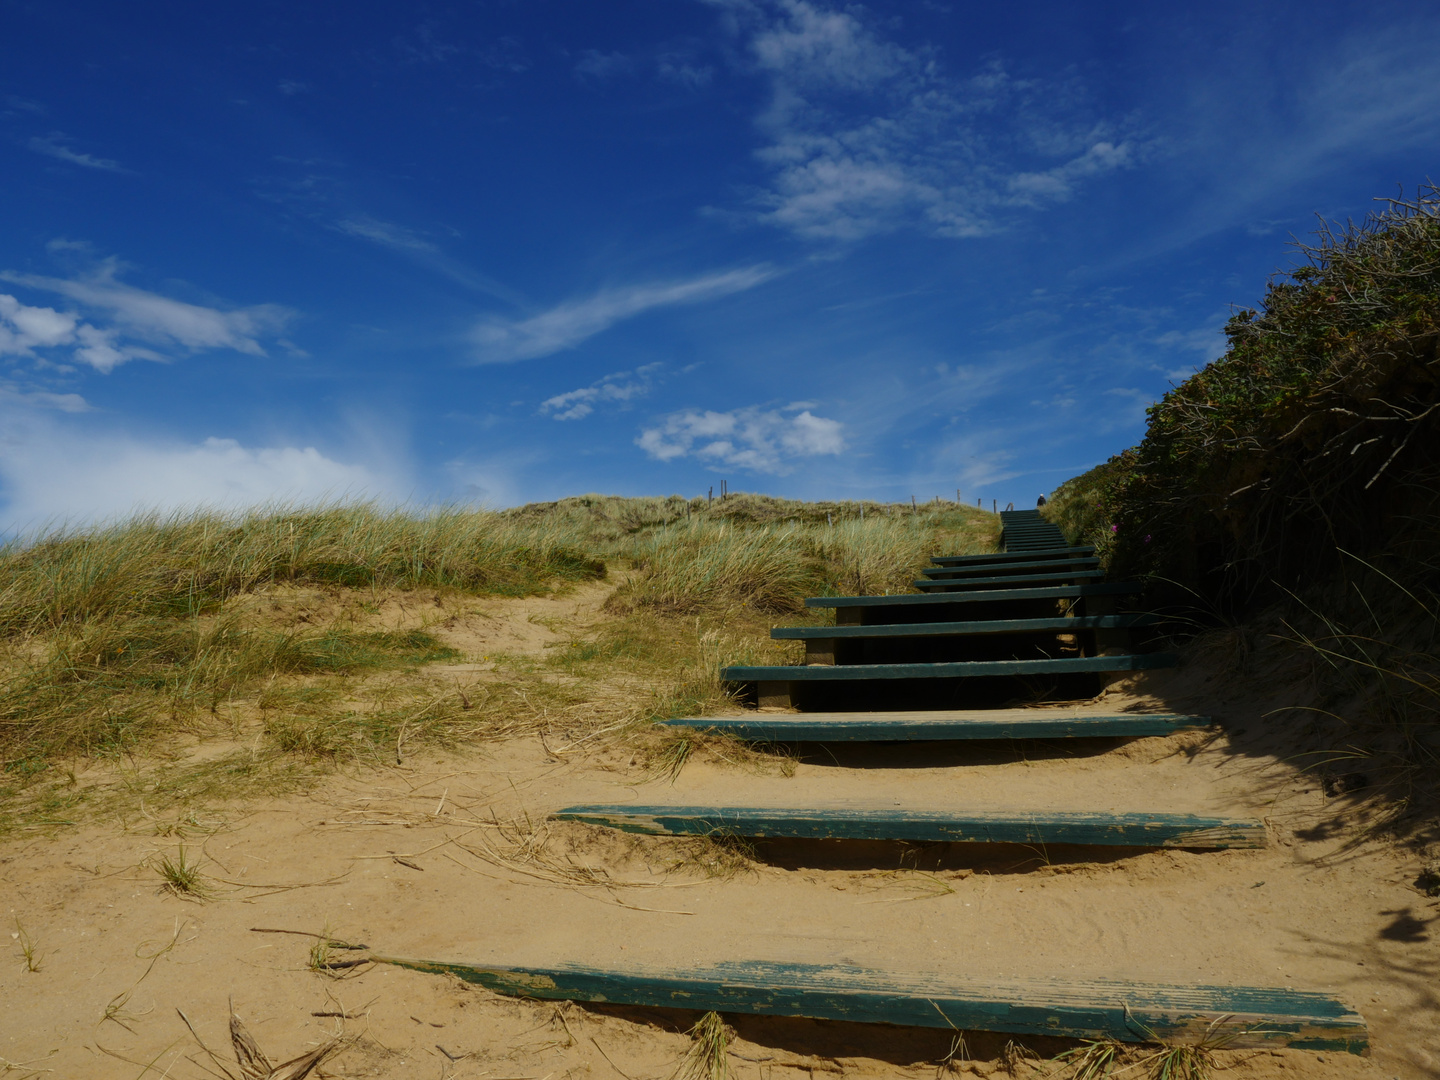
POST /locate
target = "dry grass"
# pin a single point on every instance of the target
(718, 855)
(703, 563)
(181, 876)
(707, 1058)
(28, 949)
(254, 1064)
(1093, 1059)
(668, 750)
(124, 645)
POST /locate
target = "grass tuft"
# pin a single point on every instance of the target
(720, 854)
(1093, 1059)
(28, 951)
(1188, 1061)
(709, 1045)
(182, 877)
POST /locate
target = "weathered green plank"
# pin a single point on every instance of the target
(981, 569)
(1046, 592)
(940, 725)
(1245, 1017)
(967, 669)
(1009, 556)
(926, 826)
(1010, 579)
(981, 626)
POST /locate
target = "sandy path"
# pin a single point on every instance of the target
(1307, 912)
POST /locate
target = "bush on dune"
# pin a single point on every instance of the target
(1313, 435)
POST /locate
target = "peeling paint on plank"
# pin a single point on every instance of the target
(1097, 1008)
(927, 826)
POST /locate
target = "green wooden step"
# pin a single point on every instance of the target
(1017, 579)
(1009, 556)
(1048, 592)
(1243, 1017)
(981, 569)
(967, 669)
(926, 826)
(1058, 623)
(940, 725)
(1029, 541)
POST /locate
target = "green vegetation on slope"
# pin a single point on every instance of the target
(120, 637)
(1294, 483)
(1313, 435)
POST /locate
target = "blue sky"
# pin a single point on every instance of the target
(507, 251)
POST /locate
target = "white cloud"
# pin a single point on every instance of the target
(622, 386)
(24, 328)
(684, 70)
(53, 145)
(384, 233)
(865, 136)
(43, 399)
(1057, 184)
(761, 440)
(59, 472)
(601, 66)
(1209, 340)
(567, 325)
(135, 314)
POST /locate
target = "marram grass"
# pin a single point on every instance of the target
(122, 637)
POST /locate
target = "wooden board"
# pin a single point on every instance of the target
(1044, 592)
(1037, 826)
(1009, 556)
(967, 669)
(940, 725)
(1248, 1017)
(1059, 623)
(1017, 579)
(963, 572)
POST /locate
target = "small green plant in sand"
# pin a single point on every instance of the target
(1093, 1059)
(181, 876)
(709, 1046)
(1189, 1061)
(28, 952)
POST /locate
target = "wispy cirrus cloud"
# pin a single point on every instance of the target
(53, 145)
(568, 324)
(867, 136)
(754, 438)
(385, 233)
(602, 66)
(124, 323)
(618, 388)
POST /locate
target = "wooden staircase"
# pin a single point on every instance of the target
(982, 631)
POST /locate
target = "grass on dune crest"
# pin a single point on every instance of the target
(700, 563)
(187, 563)
(145, 635)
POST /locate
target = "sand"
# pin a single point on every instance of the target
(449, 857)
